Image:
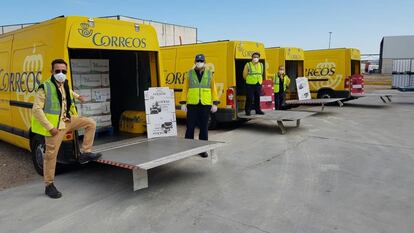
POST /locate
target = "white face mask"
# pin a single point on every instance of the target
(61, 77)
(200, 65)
(255, 59)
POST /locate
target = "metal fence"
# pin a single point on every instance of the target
(13, 27)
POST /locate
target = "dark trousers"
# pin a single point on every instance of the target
(253, 94)
(279, 100)
(197, 115)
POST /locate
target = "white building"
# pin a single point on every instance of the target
(397, 55)
(168, 34)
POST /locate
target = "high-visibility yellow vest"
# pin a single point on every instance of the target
(199, 92)
(255, 74)
(276, 82)
(52, 109)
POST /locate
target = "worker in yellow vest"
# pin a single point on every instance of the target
(253, 74)
(199, 98)
(53, 115)
(281, 83)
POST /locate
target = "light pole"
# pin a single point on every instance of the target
(330, 36)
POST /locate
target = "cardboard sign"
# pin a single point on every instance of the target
(302, 86)
(160, 111)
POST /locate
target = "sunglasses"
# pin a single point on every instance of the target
(61, 71)
(199, 60)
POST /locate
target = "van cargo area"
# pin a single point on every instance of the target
(129, 76)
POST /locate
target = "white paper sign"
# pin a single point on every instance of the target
(302, 86)
(160, 111)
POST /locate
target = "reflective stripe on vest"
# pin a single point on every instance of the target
(199, 92)
(52, 109)
(276, 82)
(255, 74)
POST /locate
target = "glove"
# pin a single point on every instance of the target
(214, 108)
(184, 107)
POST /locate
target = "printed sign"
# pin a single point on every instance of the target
(302, 85)
(160, 111)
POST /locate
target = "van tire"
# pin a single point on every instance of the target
(212, 122)
(38, 148)
(325, 94)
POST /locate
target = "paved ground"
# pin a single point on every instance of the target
(343, 170)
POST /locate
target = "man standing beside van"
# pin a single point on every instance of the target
(53, 115)
(281, 83)
(198, 99)
(253, 74)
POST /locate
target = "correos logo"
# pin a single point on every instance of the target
(102, 40)
(322, 70)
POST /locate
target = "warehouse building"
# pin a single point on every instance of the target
(168, 34)
(397, 55)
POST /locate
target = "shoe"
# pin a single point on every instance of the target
(88, 156)
(203, 155)
(248, 114)
(52, 191)
(260, 113)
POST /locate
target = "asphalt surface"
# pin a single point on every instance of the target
(346, 169)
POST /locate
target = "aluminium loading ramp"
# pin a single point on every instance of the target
(322, 102)
(383, 96)
(278, 116)
(139, 155)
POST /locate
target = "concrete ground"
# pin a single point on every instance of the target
(347, 169)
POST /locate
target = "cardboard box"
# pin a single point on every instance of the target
(106, 107)
(91, 81)
(86, 93)
(103, 120)
(100, 65)
(91, 109)
(105, 80)
(76, 81)
(101, 94)
(80, 66)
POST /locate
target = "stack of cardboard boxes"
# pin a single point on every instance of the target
(91, 79)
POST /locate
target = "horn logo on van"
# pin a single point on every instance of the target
(84, 30)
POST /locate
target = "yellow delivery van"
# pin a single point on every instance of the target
(334, 73)
(111, 63)
(227, 60)
(293, 61)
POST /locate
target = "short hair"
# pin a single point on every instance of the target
(58, 61)
(256, 53)
(282, 66)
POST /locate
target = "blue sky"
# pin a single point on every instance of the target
(305, 24)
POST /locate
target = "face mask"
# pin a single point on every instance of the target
(61, 77)
(200, 65)
(256, 59)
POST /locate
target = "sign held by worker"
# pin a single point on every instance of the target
(160, 111)
(302, 86)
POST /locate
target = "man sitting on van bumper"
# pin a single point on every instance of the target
(53, 115)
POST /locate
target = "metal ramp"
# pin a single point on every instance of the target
(279, 117)
(322, 102)
(383, 96)
(141, 154)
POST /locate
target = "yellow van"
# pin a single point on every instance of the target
(227, 60)
(293, 61)
(121, 60)
(334, 73)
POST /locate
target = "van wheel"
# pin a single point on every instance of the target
(38, 147)
(212, 122)
(325, 95)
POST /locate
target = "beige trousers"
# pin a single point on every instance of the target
(53, 144)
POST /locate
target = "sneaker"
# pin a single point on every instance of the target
(88, 156)
(260, 112)
(52, 191)
(203, 155)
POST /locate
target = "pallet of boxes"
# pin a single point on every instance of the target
(91, 79)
